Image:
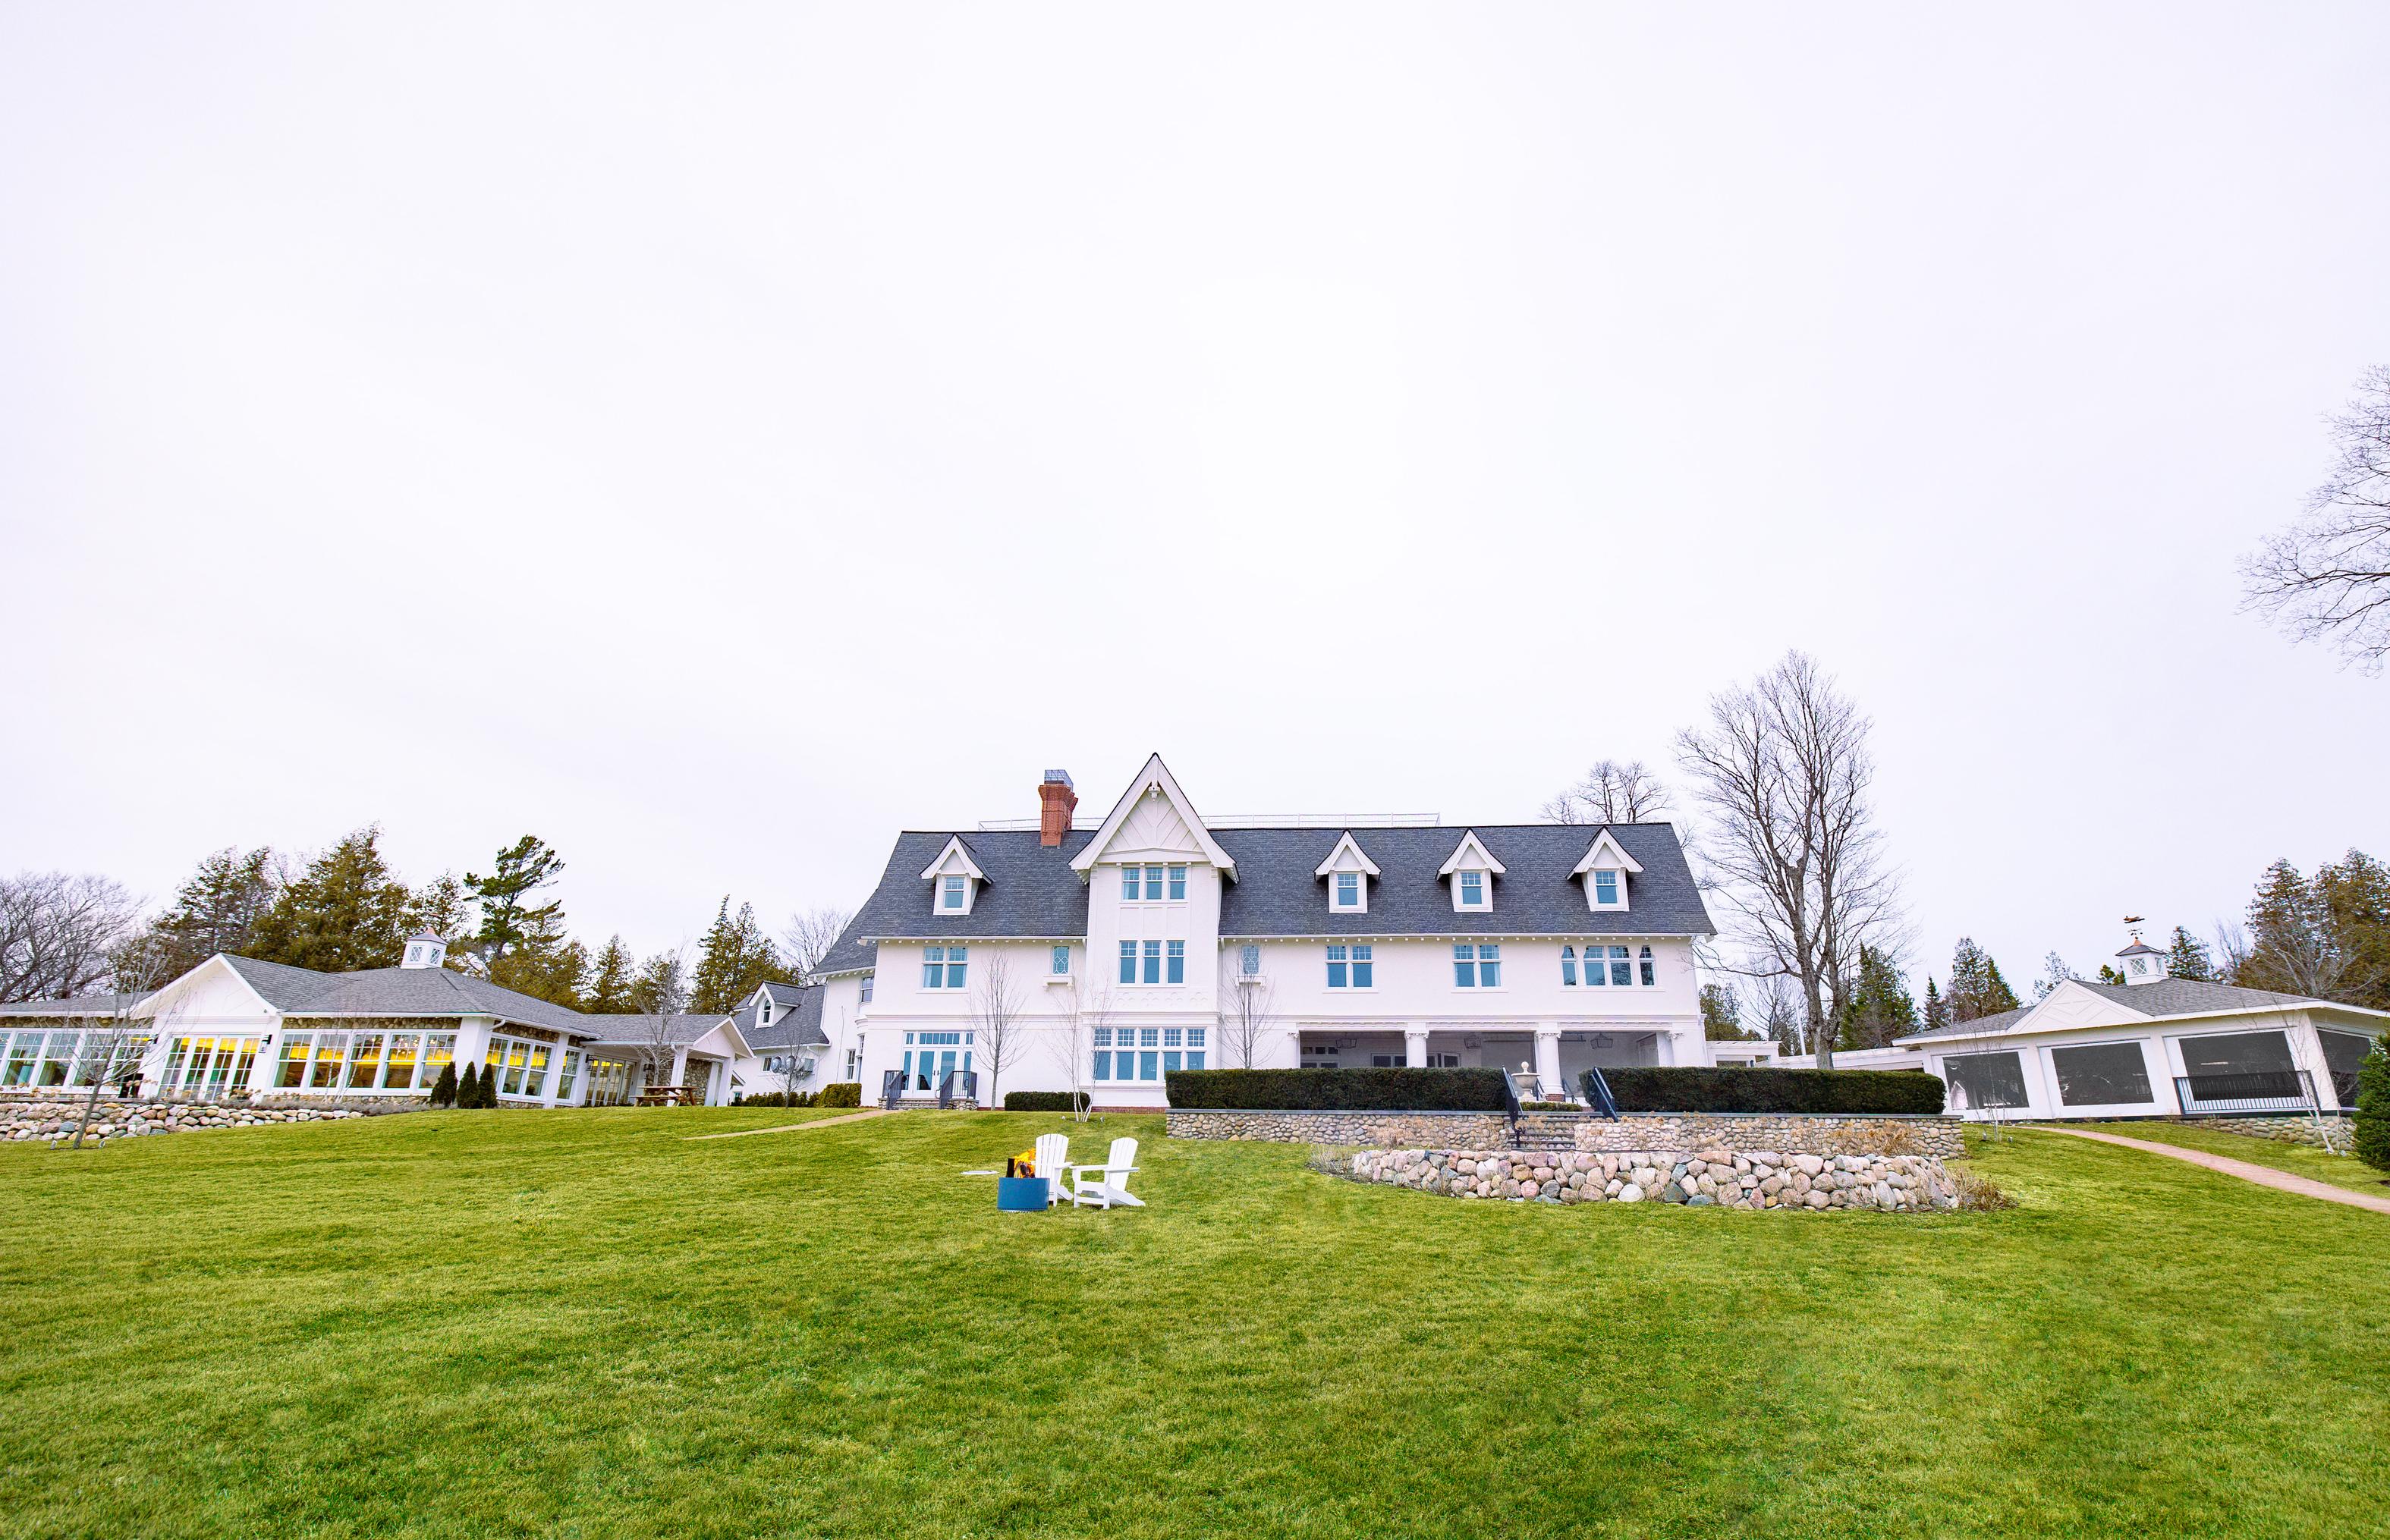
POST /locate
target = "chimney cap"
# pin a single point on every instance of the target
(1064, 777)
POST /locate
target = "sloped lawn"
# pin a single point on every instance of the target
(2300, 1159)
(581, 1323)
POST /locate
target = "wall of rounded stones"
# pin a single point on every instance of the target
(53, 1120)
(1701, 1178)
(1485, 1129)
(1787, 1132)
(2294, 1129)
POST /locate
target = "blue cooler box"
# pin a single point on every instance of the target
(1020, 1194)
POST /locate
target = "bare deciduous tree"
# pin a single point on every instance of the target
(1783, 770)
(660, 997)
(995, 1017)
(114, 1046)
(1779, 1011)
(1246, 1001)
(810, 936)
(1086, 1009)
(58, 932)
(1613, 792)
(2327, 577)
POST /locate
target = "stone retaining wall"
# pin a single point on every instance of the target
(1788, 1133)
(54, 1120)
(2295, 1128)
(1701, 1178)
(1484, 1130)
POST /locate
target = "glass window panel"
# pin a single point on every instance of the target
(398, 1068)
(1153, 882)
(1568, 965)
(1148, 1066)
(293, 1070)
(1148, 1037)
(1195, 1038)
(1195, 1059)
(1178, 882)
(1250, 959)
(1643, 963)
(1061, 963)
(1489, 968)
(1128, 962)
(1170, 1060)
(1605, 886)
(1348, 890)
(1103, 1037)
(1154, 962)
(1988, 1078)
(1473, 888)
(2102, 1074)
(1177, 959)
(1171, 1037)
(331, 1049)
(535, 1072)
(955, 967)
(1622, 972)
(364, 1060)
(1363, 969)
(2240, 1053)
(1128, 883)
(1103, 1065)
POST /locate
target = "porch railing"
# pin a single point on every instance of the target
(1598, 1097)
(967, 1081)
(2251, 1091)
(891, 1087)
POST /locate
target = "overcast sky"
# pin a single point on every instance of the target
(713, 439)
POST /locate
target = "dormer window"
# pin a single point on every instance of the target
(1348, 890)
(953, 893)
(1606, 890)
(763, 1012)
(1471, 894)
(1471, 869)
(954, 879)
(1606, 868)
(1348, 869)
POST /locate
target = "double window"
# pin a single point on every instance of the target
(1351, 968)
(1147, 1052)
(1610, 966)
(1153, 884)
(1476, 966)
(1154, 962)
(942, 967)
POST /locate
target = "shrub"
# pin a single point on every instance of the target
(2373, 1107)
(1369, 1090)
(444, 1090)
(782, 1098)
(1692, 1089)
(1975, 1194)
(846, 1093)
(469, 1090)
(1045, 1102)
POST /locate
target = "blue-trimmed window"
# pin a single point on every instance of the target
(942, 967)
(1128, 962)
(1174, 961)
(1605, 888)
(1472, 889)
(1568, 966)
(1350, 967)
(1129, 879)
(1476, 966)
(1178, 883)
(951, 893)
(1152, 974)
(1348, 890)
(1060, 965)
(1153, 884)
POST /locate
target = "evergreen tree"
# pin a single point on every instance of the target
(444, 1090)
(2355, 895)
(216, 909)
(2055, 972)
(508, 922)
(546, 966)
(737, 959)
(2110, 974)
(2187, 958)
(1937, 1009)
(469, 1088)
(2373, 1107)
(609, 990)
(440, 906)
(1879, 1008)
(346, 911)
(487, 1095)
(1722, 1015)
(1976, 988)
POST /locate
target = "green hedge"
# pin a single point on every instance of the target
(844, 1093)
(1688, 1089)
(1045, 1102)
(1338, 1090)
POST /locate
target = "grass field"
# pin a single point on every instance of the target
(2341, 1171)
(580, 1324)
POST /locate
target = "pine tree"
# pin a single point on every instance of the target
(439, 907)
(1976, 988)
(346, 911)
(2373, 1107)
(508, 922)
(1722, 1014)
(468, 1089)
(2110, 974)
(2355, 894)
(487, 1095)
(1937, 1009)
(2187, 958)
(1879, 1007)
(737, 959)
(444, 1090)
(216, 909)
(609, 990)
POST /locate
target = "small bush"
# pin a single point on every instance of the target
(468, 1089)
(2373, 1107)
(1045, 1102)
(781, 1099)
(1910, 1093)
(846, 1093)
(444, 1090)
(1977, 1194)
(1371, 1090)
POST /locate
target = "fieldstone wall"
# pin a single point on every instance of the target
(1787, 1132)
(2296, 1128)
(53, 1119)
(1702, 1178)
(1481, 1129)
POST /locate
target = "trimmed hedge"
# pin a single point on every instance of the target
(843, 1093)
(1338, 1090)
(1909, 1092)
(1045, 1102)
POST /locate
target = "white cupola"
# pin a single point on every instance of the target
(2139, 962)
(425, 950)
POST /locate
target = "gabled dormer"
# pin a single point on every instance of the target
(1152, 821)
(1471, 871)
(1348, 869)
(954, 879)
(1606, 868)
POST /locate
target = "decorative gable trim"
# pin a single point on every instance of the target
(1471, 855)
(1155, 776)
(1607, 851)
(1348, 856)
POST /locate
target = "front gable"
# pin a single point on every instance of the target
(954, 879)
(1153, 817)
(212, 990)
(2071, 1005)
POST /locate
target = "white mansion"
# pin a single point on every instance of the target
(1056, 957)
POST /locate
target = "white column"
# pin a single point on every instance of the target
(718, 1083)
(680, 1066)
(552, 1082)
(472, 1044)
(1547, 1061)
(1415, 1047)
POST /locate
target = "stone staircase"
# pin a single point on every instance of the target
(1549, 1130)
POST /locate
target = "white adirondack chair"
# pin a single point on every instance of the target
(1052, 1157)
(1110, 1187)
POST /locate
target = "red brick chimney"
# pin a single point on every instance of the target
(1055, 802)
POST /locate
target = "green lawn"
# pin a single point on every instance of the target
(580, 1324)
(2341, 1171)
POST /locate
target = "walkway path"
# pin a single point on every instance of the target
(796, 1127)
(2265, 1176)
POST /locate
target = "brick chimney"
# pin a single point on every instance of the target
(1055, 802)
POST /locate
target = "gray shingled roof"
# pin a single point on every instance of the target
(1032, 891)
(630, 1030)
(2164, 998)
(400, 991)
(796, 1021)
